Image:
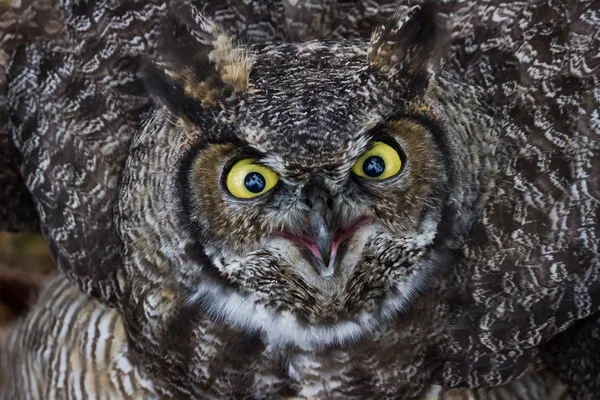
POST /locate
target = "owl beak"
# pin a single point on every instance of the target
(320, 225)
(324, 239)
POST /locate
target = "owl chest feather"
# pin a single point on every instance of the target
(86, 356)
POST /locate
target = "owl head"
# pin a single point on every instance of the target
(293, 189)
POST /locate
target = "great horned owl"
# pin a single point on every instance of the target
(306, 200)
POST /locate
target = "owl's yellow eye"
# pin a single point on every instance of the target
(381, 161)
(246, 179)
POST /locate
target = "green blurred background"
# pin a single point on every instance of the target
(25, 251)
(24, 262)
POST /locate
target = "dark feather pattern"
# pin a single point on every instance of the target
(17, 210)
(410, 43)
(477, 266)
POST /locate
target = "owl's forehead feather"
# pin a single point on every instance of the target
(314, 100)
(316, 70)
(332, 153)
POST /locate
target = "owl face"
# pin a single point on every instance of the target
(312, 185)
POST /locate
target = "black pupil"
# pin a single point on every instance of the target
(255, 182)
(374, 166)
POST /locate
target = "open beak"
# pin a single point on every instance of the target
(322, 237)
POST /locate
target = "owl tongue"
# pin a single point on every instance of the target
(310, 243)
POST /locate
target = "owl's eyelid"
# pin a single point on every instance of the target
(386, 138)
(376, 131)
(243, 155)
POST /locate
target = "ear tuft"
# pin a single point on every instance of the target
(233, 61)
(409, 43)
(197, 59)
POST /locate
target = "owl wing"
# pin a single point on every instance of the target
(534, 267)
(73, 103)
(17, 212)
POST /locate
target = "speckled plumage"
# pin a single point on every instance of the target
(89, 358)
(480, 252)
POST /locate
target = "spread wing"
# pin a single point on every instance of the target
(533, 263)
(73, 103)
